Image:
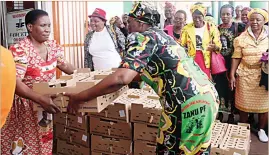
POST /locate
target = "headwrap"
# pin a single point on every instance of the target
(145, 14)
(169, 5)
(259, 11)
(200, 8)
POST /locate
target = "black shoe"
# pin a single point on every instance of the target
(230, 119)
(220, 116)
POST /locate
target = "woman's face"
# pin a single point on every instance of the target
(226, 15)
(168, 13)
(244, 16)
(198, 20)
(238, 11)
(256, 22)
(97, 24)
(118, 22)
(179, 19)
(40, 30)
(133, 25)
(125, 18)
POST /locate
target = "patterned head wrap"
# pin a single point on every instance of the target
(259, 11)
(169, 5)
(200, 8)
(145, 14)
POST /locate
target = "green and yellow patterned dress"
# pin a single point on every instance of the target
(189, 100)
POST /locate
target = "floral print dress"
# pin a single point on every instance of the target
(25, 132)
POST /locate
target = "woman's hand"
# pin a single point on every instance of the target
(47, 104)
(212, 48)
(232, 82)
(74, 103)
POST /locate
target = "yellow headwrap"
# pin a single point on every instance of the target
(200, 8)
(259, 11)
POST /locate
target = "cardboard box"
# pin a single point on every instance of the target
(145, 133)
(230, 139)
(141, 148)
(75, 84)
(65, 148)
(72, 121)
(71, 135)
(115, 111)
(108, 128)
(147, 110)
(95, 105)
(102, 144)
(231, 146)
(119, 109)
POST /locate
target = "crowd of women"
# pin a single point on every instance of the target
(175, 61)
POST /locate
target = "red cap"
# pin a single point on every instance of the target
(98, 13)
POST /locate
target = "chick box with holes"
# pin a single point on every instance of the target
(78, 121)
(144, 148)
(72, 135)
(65, 148)
(147, 110)
(95, 105)
(119, 109)
(234, 141)
(146, 133)
(111, 129)
(101, 144)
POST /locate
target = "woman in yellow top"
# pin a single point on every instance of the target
(8, 72)
(248, 49)
(201, 38)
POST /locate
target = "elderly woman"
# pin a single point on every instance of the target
(36, 60)
(179, 22)
(169, 11)
(104, 45)
(248, 49)
(244, 15)
(201, 38)
(229, 30)
(116, 21)
(189, 99)
(238, 14)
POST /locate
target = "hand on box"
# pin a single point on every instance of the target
(73, 105)
(48, 105)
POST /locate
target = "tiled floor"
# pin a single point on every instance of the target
(257, 147)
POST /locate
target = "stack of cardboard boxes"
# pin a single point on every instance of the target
(124, 122)
(71, 134)
(128, 122)
(145, 117)
(230, 139)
